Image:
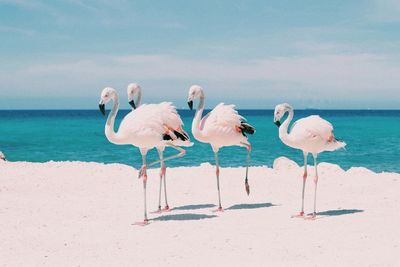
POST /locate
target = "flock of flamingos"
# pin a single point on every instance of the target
(159, 126)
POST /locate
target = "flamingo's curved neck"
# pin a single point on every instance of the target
(197, 132)
(283, 129)
(139, 98)
(111, 135)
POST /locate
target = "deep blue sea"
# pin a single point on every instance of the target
(372, 137)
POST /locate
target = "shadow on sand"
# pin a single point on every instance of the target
(184, 217)
(339, 212)
(250, 206)
(195, 207)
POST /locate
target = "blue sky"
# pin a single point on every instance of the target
(312, 54)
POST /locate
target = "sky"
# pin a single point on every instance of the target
(255, 54)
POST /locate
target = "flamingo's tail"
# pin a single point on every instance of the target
(336, 144)
(246, 128)
(178, 138)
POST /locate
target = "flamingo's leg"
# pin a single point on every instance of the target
(246, 182)
(143, 174)
(217, 174)
(301, 214)
(164, 169)
(163, 176)
(160, 153)
(181, 153)
(314, 214)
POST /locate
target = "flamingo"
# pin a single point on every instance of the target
(311, 135)
(173, 125)
(145, 128)
(222, 126)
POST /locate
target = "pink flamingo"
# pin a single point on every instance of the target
(146, 127)
(173, 126)
(222, 126)
(311, 135)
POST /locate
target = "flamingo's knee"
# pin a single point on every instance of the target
(163, 170)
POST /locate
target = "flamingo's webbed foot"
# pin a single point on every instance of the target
(166, 209)
(158, 211)
(220, 209)
(144, 223)
(311, 216)
(300, 215)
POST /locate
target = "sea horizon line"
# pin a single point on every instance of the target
(184, 109)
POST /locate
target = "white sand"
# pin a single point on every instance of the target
(81, 214)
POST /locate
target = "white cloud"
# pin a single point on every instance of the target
(320, 78)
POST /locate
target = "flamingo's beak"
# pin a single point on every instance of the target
(132, 103)
(278, 123)
(102, 108)
(190, 104)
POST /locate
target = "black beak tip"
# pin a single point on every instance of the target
(190, 104)
(278, 123)
(102, 109)
(132, 103)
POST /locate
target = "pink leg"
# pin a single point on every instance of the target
(143, 175)
(246, 182)
(164, 174)
(313, 216)
(163, 171)
(301, 213)
(220, 209)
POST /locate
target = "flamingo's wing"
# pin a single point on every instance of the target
(143, 120)
(223, 117)
(158, 121)
(312, 127)
(169, 115)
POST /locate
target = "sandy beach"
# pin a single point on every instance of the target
(82, 214)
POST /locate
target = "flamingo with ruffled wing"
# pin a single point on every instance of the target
(145, 127)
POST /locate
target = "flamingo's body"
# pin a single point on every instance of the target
(222, 126)
(146, 127)
(311, 135)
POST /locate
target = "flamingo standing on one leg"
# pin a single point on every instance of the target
(143, 128)
(222, 126)
(311, 135)
(173, 126)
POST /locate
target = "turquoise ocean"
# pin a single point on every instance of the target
(372, 137)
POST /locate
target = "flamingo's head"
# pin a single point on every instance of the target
(133, 90)
(195, 91)
(2, 156)
(106, 95)
(279, 112)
